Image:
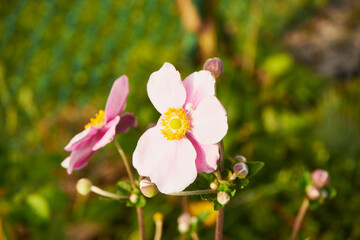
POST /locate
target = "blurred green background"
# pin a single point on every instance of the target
(290, 86)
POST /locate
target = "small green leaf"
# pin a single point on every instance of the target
(217, 205)
(201, 217)
(210, 197)
(223, 188)
(254, 167)
(123, 188)
(331, 191)
(141, 202)
(305, 181)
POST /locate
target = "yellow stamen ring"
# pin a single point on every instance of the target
(175, 123)
(98, 121)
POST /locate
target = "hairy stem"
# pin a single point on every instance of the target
(299, 218)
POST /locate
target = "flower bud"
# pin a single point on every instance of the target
(184, 221)
(320, 177)
(241, 170)
(223, 198)
(147, 188)
(213, 185)
(240, 158)
(324, 194)
(215, 66)
(133, 198)
(83, 186)
(312, 192)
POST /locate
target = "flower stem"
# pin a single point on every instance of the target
(220, 218)
(300, 216)
(104, 193)
(141, 222)
(219, 224)
(132, 182)
(190, 193)
(126, 163)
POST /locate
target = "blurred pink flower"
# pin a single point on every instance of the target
(320, 177)
(184, 140)
(102, 129)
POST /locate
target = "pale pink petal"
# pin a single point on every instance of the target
(165, 88)
(199, 85)
(169, 164)
(81, 137)
(206, 155)
(127, 121)
(209, 121)
(117, 98)
(107, 134)
(79, 157)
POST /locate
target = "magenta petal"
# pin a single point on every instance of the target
(117, 98)
(209, 121)
(127, 121)
(81, 137)
(165, 88)
(199, 85)
(206, 155)
(169, 164)
(79, 157)
(107, 134)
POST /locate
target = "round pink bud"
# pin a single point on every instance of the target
(215, 66)
(223, 198)
(241, 170)
(312, 192)
(83, 186)
(240, 158)
(320, 177)
(147, 188)
(184, 221)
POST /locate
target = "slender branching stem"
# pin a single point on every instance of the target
(191, 193)
(299, 218)
(104, 193)
(220, 218)
(126, 163)
(132, 182)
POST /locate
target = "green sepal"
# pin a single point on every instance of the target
(305, 181)
(217, 205)
(254, 167)
(123, 188)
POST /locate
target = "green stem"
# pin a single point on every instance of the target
(220, 218)
(104, 193)
(132, 182)
(126, 163)
(300, 216)
(191, 193)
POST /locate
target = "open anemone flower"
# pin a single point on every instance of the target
(102, 129)
(184, 140)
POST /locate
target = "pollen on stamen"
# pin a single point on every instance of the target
(97, 121)
(176, 123)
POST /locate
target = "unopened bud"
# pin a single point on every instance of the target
(184, 221)
(223, 198)
(147, 188)
(215, 66)
(240, 158)
(241, 170)
(213, 185)
(83, 186)
(312, 192)
(324, 194)
(320, 177)
(133, 198)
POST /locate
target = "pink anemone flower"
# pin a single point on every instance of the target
(102, 129)
(184, 140)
